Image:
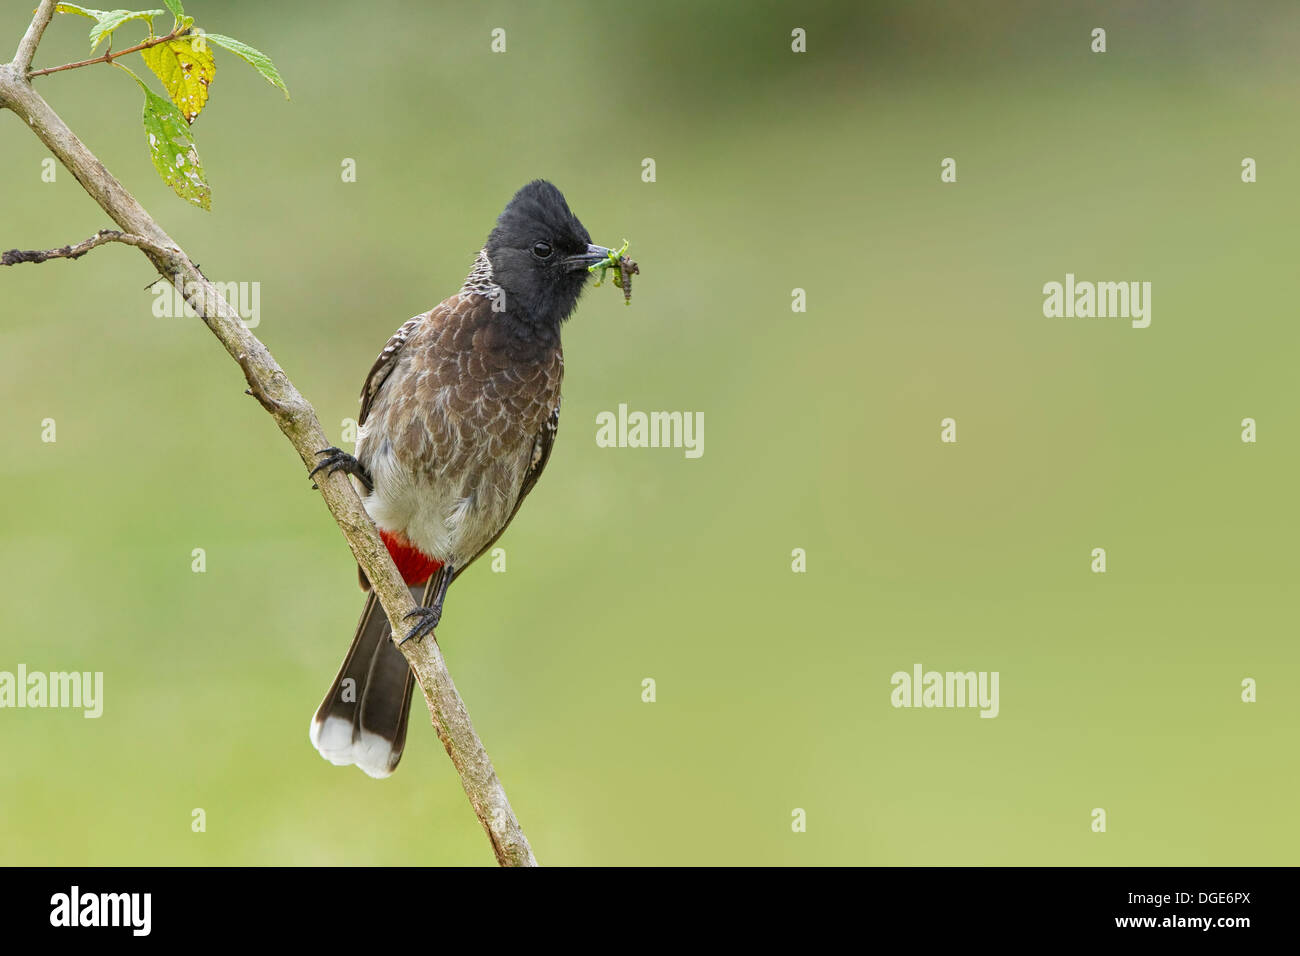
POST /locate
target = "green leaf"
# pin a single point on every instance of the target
(175, 7)
(110, 21)
(172, 149)
(255, 58)
(106, 21)
(80, 11)
(186, 68)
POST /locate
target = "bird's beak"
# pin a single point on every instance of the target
(591, 257)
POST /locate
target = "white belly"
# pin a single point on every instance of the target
(448, 517)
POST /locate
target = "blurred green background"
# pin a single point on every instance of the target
(775, 170)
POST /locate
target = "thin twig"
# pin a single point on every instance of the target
(298, 421)
(14, 256)
(110, 56)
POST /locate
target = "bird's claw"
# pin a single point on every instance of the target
(428, 620)
(336, 459)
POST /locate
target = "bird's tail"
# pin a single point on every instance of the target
(362, 719)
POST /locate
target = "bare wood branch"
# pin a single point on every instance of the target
(15, 256)
(32, 38)
(297, 420)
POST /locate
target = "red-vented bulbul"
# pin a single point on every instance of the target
(458, 416)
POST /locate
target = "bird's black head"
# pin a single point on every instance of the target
(539, 253)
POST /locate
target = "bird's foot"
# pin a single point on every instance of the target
(336, 459)
(427, 620)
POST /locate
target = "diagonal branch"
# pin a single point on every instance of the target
(297, 420)
(32, 38)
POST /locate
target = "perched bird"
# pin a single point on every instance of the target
(458, 417)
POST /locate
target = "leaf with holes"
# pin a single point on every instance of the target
(186, 68)
(171, 147)
(255, 58)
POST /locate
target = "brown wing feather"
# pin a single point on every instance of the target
(542, 446)
(376, 377)
(383, 366)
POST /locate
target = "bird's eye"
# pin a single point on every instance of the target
(542, 249)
